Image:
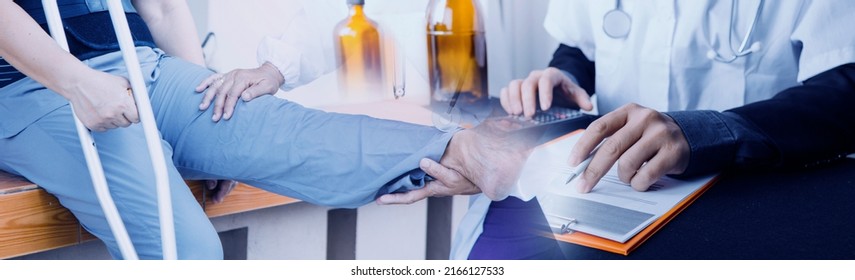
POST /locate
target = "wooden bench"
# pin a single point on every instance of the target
(32, 220)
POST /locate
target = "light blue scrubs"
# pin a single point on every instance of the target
(323, 158)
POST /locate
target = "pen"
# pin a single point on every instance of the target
(453, 101)
(577, 171)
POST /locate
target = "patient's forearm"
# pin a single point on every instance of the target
(173, 29)
(30, 50)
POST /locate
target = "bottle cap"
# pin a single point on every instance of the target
(356, 2)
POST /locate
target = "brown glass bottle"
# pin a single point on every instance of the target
(358, 54)
(457, 55)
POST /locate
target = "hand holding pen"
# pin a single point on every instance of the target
(644, 143)
(580, 168)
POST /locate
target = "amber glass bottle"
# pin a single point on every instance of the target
(457, 55)
(358, 54)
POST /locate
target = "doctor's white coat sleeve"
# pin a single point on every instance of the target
(570, 23)
(824, 35)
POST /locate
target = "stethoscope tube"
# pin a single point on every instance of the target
(617, 24)
(742, 51)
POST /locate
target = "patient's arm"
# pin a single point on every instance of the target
(100, 100)
(172, 27)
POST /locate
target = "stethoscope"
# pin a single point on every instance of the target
(617, 23)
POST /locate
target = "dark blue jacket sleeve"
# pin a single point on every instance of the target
(571, 60)
(802, 126)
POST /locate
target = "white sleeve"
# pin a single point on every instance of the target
(824, 34)
(569, 22)
(303, 53)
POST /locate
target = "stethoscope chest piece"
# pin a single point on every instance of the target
(616, 23)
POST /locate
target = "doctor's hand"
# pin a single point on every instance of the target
(447, 183)
(103, 101)
(490, 155)
(247, 84)
(645, 143)
(520, 97)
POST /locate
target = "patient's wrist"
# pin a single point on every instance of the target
(456, 151)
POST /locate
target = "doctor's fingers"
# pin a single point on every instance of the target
(662, 163)
(547, 80)
(576, 94)
(207, 82)
(211, 91)
(503, 99)
(232, 94)
(258, 89)
(514, 95)
(529, 92)
(594, 134)
(634, 158)
(661, 145)
(608, 154)
(220, 99)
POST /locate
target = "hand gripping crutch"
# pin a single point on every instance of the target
(152, 137)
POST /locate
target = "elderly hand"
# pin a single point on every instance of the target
(520, 96)
(224, 89)
(646, 144)
(103, 101)
(491, 155)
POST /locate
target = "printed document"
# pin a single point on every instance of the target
(612, 210)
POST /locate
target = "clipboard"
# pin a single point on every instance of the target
(596, 242)
(566, 231)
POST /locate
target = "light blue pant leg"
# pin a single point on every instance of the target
(324, 158)
(48, 153)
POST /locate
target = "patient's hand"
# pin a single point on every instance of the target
(488, 159)
(448, 182)
(103, 101)
(225, 89)
(491, 155)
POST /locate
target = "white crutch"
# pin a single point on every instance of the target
(93, 162)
